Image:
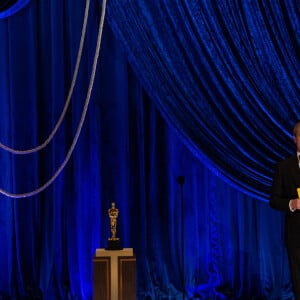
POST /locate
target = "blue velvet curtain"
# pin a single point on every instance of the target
(204, 91)
(225, 74)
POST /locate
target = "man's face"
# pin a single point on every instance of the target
(297, 140)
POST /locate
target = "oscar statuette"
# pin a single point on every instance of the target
(114, 242)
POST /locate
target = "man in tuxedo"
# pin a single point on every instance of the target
(284, 197)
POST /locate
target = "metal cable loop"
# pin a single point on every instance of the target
(70, 93)
(69, 153)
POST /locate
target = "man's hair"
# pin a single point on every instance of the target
(296, 128)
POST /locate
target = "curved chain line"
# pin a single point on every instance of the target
(90, 87)
(48, 140)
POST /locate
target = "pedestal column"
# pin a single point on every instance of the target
(114, 274)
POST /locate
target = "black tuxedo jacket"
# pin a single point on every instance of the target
(284, 188)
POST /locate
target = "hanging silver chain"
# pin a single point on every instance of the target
(83, 116)
(52, 134)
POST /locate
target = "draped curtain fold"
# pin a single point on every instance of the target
(200, 90)
(224, 74)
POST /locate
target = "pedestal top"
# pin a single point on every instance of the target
(124, 252)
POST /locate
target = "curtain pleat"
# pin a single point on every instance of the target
(224, 74)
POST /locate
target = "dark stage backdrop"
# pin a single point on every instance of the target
(205, 91)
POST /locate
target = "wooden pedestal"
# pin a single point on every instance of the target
(114, 274)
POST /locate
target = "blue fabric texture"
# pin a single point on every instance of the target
(225, 74)
(205, 91)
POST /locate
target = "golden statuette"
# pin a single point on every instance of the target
(113, 241)
(113, 213)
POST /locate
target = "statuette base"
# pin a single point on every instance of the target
(114, 244)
